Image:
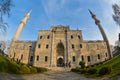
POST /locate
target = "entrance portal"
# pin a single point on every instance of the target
(60, 62)
(60, 54)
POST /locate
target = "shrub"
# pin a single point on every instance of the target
(105, 70)
(92, 65)
(24, 69)
(41, 70)
(82, 64)
(101, 63)
(13, 68)
(92, 71)
(3, 66)
(87, 66)
(75, 70)
(83, 71)
(33, 69)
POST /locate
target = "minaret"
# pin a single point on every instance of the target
(97, 22)
(22, 23)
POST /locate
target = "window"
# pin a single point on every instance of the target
(82, 58)
(72, 45)
(80, 45)
(31, 58)
(71, 36)
(30, 47)
(14, 55)
(38, 45)
(78, 36)
(98, 56)
(73, 58)
(106, 54)
(88, 58)
(48, 37)
(40, 37)
(46, 58)
(21, 56)
(37, 58)
(17, 60)
(47, 46)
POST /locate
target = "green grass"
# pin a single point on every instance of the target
(8, 66)
(114, 63)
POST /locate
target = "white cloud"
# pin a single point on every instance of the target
(51, 6)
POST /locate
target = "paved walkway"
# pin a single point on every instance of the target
(55, 74)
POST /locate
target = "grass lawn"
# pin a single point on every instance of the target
(8, 66)
(114, 63)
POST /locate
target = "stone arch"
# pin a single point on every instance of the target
(60, 49)
(60, 54)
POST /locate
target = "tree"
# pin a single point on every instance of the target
(5, 7)
(82, 64)
(116, 15)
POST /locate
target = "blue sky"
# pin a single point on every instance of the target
(65, 12)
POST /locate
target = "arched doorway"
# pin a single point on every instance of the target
(60, 62)
(60, 54)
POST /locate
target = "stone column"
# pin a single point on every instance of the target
(52, 50)
(66, 49)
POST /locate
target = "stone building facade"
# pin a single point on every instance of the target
(59, 45)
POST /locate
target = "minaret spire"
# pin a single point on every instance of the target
(22, 23)
(97, 22)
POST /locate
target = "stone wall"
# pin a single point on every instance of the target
(43, 49)
(94, 49)
(59, 43)
(20, 51)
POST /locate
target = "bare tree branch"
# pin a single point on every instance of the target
(116, 15)
(5, 7)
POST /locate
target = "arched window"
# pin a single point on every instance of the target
(88, 58)
(71, 36)
(39, 45)
(48, 37)
(37, 58)
(31, 58)
(98, 56)
(106, 54)
(46, 58)
(78, 36)
(73, 58)
(40, 37)
(82, 58)
(80, 45)
(14, 55)
(47, 46)
(21, 56)
(72, 45)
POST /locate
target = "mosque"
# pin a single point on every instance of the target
(59, 45)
